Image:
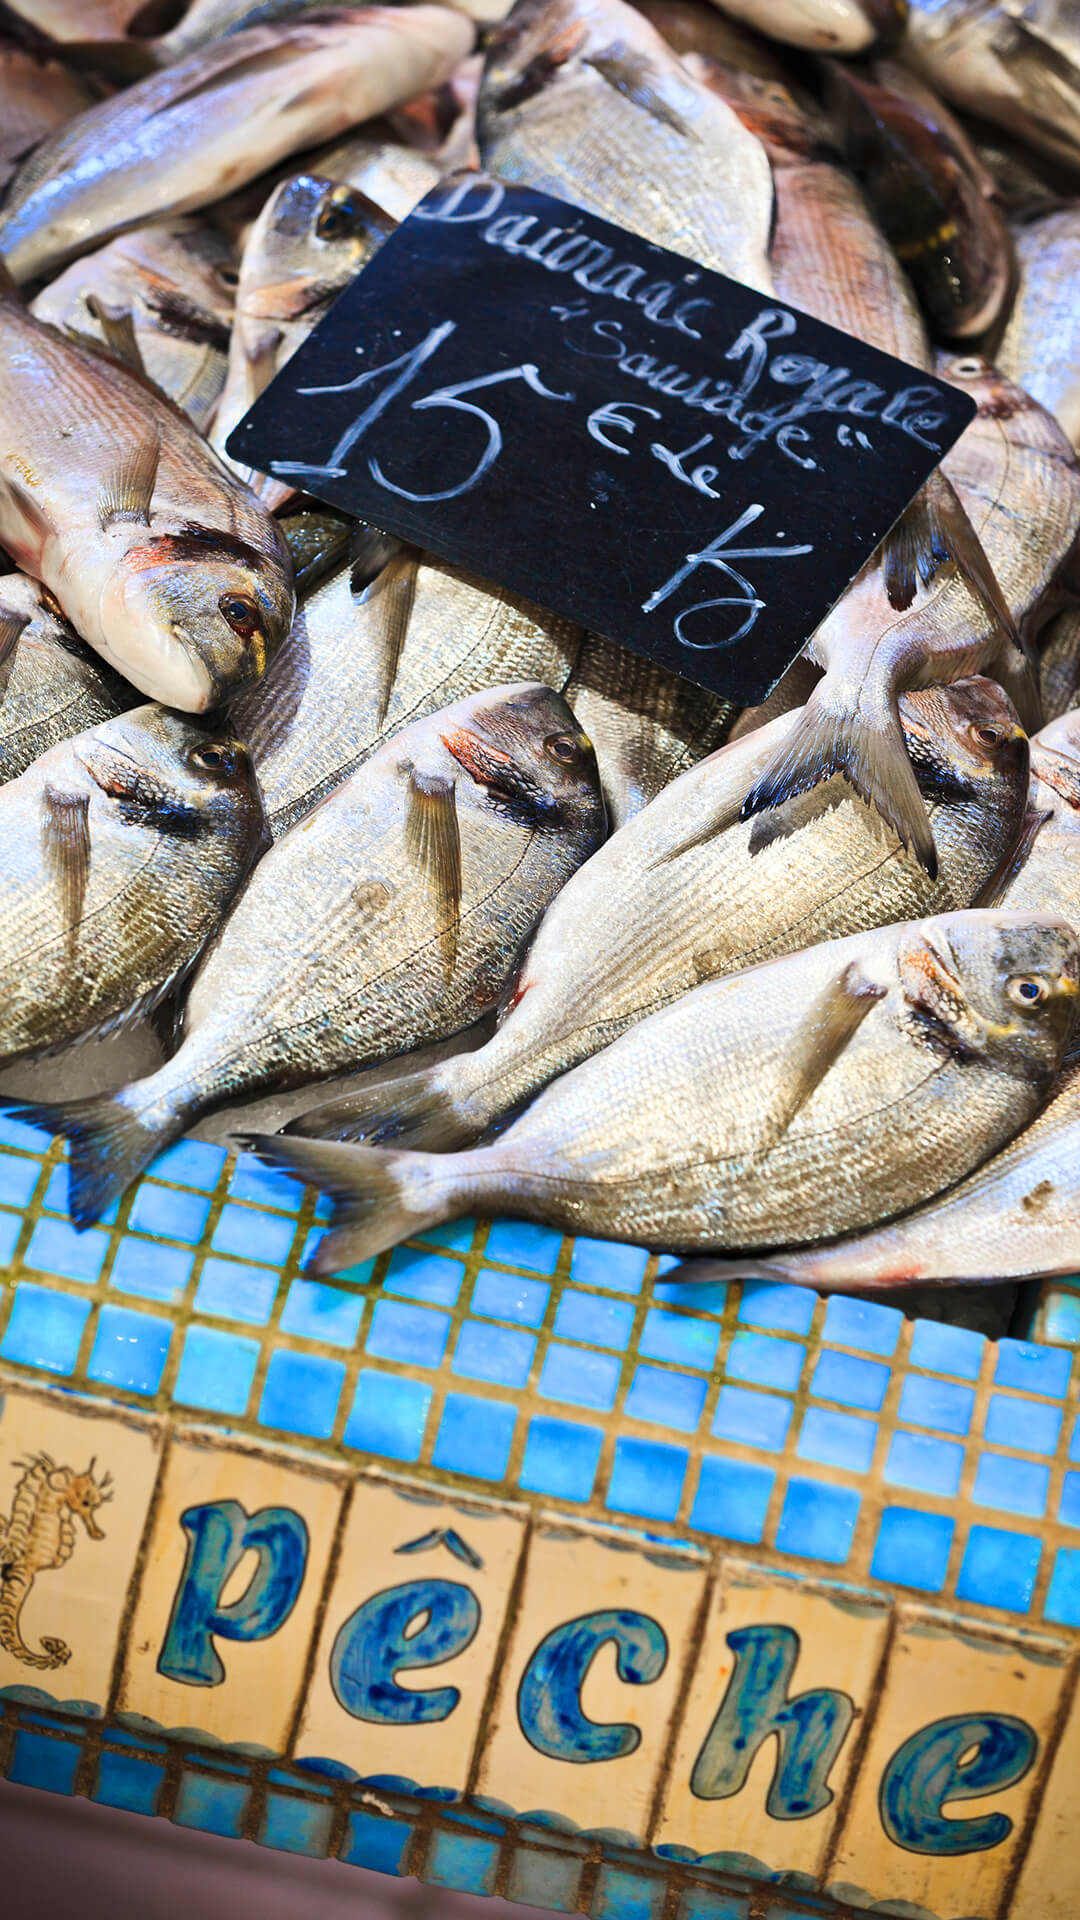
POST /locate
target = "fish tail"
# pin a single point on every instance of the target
(379, 1197)
(933, 532)
(414, 1110)
(111, 1140)
(836, 735)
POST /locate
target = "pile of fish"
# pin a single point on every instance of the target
(793, 992)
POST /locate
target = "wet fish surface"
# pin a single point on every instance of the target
(821, 1092)
(36, 97)
(1016, 65)
(51, 685)
(823, 26)
(1059, 664)
(1045, 867)
(1040, 348)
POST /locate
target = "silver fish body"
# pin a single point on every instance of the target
(1040, 348)
(646, 724)
(1016, 63)
(802, 1099)
(393, 175)
(52, 685)
(36, 97)
(822, 26)
(1059, 664)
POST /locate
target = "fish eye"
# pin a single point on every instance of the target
(1028, 991)
(215, 759)
(989, 736)
(967, 369)
(241, 613)
(564, 748)
(228, 276)
(341, 212)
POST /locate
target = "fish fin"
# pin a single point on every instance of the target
(412, 1110)
(370, 550)
(934, 531)
(829, 1028)
(35, 516)
(993, 894)
(433, 841)
(11, 625)
(118, 329)
(871, 756)
(706, 1269)
(110, 1144)
(378, 1197)
(633, 75)
(1019, 679)
(127, 494)
(65, 844)
(260, 362)
(395, 591)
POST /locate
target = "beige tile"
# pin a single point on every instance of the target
(541, 1752)
(241, 1689)
(76, 1484)
(427, 1574)
(941, 1669)
(1049, 1884)
(800, 1641)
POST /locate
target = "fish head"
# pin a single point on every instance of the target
(312, 236)
(985, 985)
(162, 770)
(996, 397)
(1055, 757)
(966, 743)
(193, 618)
(524, 750)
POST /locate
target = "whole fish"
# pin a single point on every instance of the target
(390, 917)
(52, 685)
(36, 97)
(584, 100)
(824, 26)
(1040, 348)
(160, 298)
(363, 661)
(1059, 664)
(203, 127)
(311, 238)
(158, 556)
(1016, 1218)
(688, 892)
(120, 852)
(828, 1090)
(1045, 866)
(208, 20)
(1016, 63)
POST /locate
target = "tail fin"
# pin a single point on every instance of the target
(110, 1146)
(835, 736)
(934, 531)
(413, 1110)
(379, 1197)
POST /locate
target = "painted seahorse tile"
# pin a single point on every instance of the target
(603, 1629)
(411, 1632)
(229, 1597)
(778, 1657)
(951, 1765)
(76, 1484)
(1050, 1878)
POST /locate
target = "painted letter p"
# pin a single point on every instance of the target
(218, 1538)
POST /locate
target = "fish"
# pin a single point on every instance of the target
(390, 917)
(1059, 664)
(1045, 865)
(311, 238)
(160, 559)
(120, 852)
(204, 127)
(319, 538)
(689, 892)
(1015, 65)
(821, 1092)
(37, 95)
(1040, 348)
(367, 658)
(395, 176)
(51, 685)
(696, 26)
(1016, 1218)
(584, 100)
(161, 298)
(208, 20)
(824, 26)
(75, 20)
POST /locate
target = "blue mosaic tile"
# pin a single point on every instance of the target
(676, 1337)
(818, 1520)
(212, 1805)
(927, 1465)
(517, 1243)
(580, 1379)
(191, 1163)
(10, 1229)
(999, 1569)
(18, 1178)
(702, 1903)
(40, 1762)
(265, 1186)
(561, 1458)
(851, 1381)
(765, 1361)
(837, 1439)
(754, 1419)
(416, 1336)
(548, 1880)
(595, 1319)
(474, 1436)
(624, 1894)
(599, 1263)
(234, 1292)
(388, 1415)
(942, 1349)
(373, 1842)
(301, 1393)
(1074, 1443)
(216, 1370)
(16, 1133)
(863, 1324)
(169, 1211)
(152, 1271)
(1030, 1424)
(128, 1782)
(666, 1399)
(463, 1860)
(427, 1277)
(1063, 1597)
(45, 1328)
(732, 1498)
(936, 1403)
(57, 1196)
(253, 1235)
(358, 1276)
(56, 1247)
(1069, 1510)
(504, 1296)
(913, 1548)
(1060, 1315)
(457, 1235)
(1045, 1370)
(130, 1349)
(295, 1826)
(783, 1309)
(703, 1297)
(502, 1355)
(647, 1479)
(315, 1312)
(1015, 1486)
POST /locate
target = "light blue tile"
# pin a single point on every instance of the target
(937, 1403)
(706, 1298)
(666, 1399)
(170, 1212)
(265, 1186)
(505, 1296)
(315, 1312)
(191, 1163)
(754, 1419)
(16, 1133)
(378, 1844)
(213, 1805)
(253, 1235)
(927, 1465)
(765, 1361)
(130, 1349)
(45, 1328)
(594, 1318)
(388, 1415)
(428, 1277)
(153, 1271)
(999, 1569)
(517, 1243)
(463, 1860)
(474, 1436)
(295, 1826)
(1063, 1597)
(56, 1247)
(415, 1336)
(913, 1548)
(779, 1308)
(1033, 1369)
(623, 1893)
(732, 1498)
(837, 1439)
(216, 1370)
(301, 1393)
(10, 1229)
(818, 1520)
(942, 1349)
(1069, 1509)
(235, 1292)
(863, 1324)
(1030, 1424)
(579, 1378)
(647, 1478)
(502, 1355)
(600, 1263)
(1061, 1314)
(1015, 1486)
(18, 1178)
(685, 1341)
(851, 1381)
(561, 1458)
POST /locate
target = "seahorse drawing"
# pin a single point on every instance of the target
(37, 1537)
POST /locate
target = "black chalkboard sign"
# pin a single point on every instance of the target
(666, 456)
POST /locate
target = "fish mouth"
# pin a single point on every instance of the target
(169, 670)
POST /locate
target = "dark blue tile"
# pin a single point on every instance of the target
(45, 1328)
(373, 1842)
(818, 1521)
(474, 1436)
(125, 1781)
(431, 1278)
(594, 1318)
(600, 1263)
(518, 1243)
(129, 1349)
(502, 1355)
(927, 1465)
(850, 1380)
(301, 1393)
(679, 1338)
(754, 1419)
(625, 1893)
(863, 1324)
(647, 1479)
(212, 1805)
(707, 1903)
(1033, 1369)
(415, 1336)
(315, 1312)
(388, 1415)
(783, 1309)
(169, 1212)
(505, 1296)
(666, 1399)
(732, 1498)
(231, 1291)
(1015, 1486)
(561, 1458)
(152, 1271)
(837, 1439)
(579, 1378)
(765, 1361)
(39, 1761)
(913, 1548)
(216, 1370)
(936, 1403)
(1030, 1424)
(999, 1569)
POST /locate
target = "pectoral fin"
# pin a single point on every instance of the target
(831, 1025)
(118, 328)
(129, 490)
(394, 592)
(433, 841)
(65, 843)
(995, 892)
(11, 625)
(933, 532)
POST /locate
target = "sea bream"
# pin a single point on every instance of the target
(51, 685)
(1044, 869)
(390, 917)
(824, 26)
(814, 1094)
(1059, 664)
(1040, 348)
(1015, 62)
